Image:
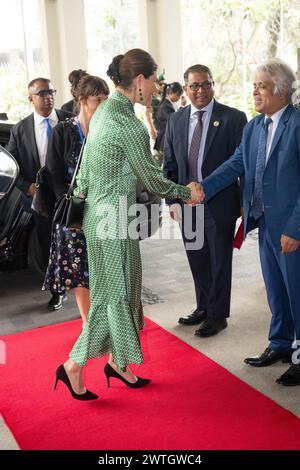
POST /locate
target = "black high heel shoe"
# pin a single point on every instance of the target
(62, 375)
(110, 372)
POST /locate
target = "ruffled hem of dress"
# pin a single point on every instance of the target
(120, 368)
(121, 362)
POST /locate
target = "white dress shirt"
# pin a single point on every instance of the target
(272, 129)
(40, 131)
(205, 123)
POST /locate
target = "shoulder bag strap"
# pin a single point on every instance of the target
(71, 187)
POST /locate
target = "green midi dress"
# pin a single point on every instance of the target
(117, 155)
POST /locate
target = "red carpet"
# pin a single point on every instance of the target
(192, 403)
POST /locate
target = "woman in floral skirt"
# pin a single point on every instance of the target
(68, 266)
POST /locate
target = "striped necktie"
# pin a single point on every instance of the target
(257, 199)
(194, 148)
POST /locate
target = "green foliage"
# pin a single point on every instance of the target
(230, 36)
(13, 95)
(236, 101)
(110, 21)
(112, 25)
(233, 36)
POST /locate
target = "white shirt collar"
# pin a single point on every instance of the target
(276, 116)
(208, 108)
(38, 119)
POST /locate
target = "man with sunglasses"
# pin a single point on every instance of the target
(198, 139)
(28, 144)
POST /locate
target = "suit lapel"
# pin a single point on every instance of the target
(213, 127)
(184, 134)
(29, 132)
(280, 128)
(61, 116)
(255, 141)
(170, 106)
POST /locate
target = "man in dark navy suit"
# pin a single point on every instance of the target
(198, 139)
(28, 144)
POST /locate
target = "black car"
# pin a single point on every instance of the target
(18, 238)
(19, 242)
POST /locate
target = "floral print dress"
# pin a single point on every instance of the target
(68, 264)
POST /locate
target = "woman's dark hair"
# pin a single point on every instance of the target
(74, 78)
(124, 68)
(90, 85)
(174, 87)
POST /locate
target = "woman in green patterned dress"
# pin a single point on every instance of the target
(116, 156)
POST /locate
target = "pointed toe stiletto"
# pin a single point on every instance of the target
(62, 375)
(110, 372)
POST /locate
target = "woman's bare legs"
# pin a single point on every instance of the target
(127, 375)
(82, 295)
(74, 372)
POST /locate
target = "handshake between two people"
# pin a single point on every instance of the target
(197, 197)
(197, 194)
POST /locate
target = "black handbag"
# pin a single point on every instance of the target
(69, 209)
(44, 200)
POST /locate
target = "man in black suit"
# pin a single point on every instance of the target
(198, 139)
(28, 144)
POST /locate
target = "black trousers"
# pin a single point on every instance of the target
(42, 236)
(43, 227)
(211, 266)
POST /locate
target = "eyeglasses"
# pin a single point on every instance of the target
(44, 93)
(196, 86)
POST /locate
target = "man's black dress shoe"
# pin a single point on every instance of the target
(211, 327)
(194, 318)
(56, 301)
(290, 377)
(268, 357)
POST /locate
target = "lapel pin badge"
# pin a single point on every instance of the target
(216, 123)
